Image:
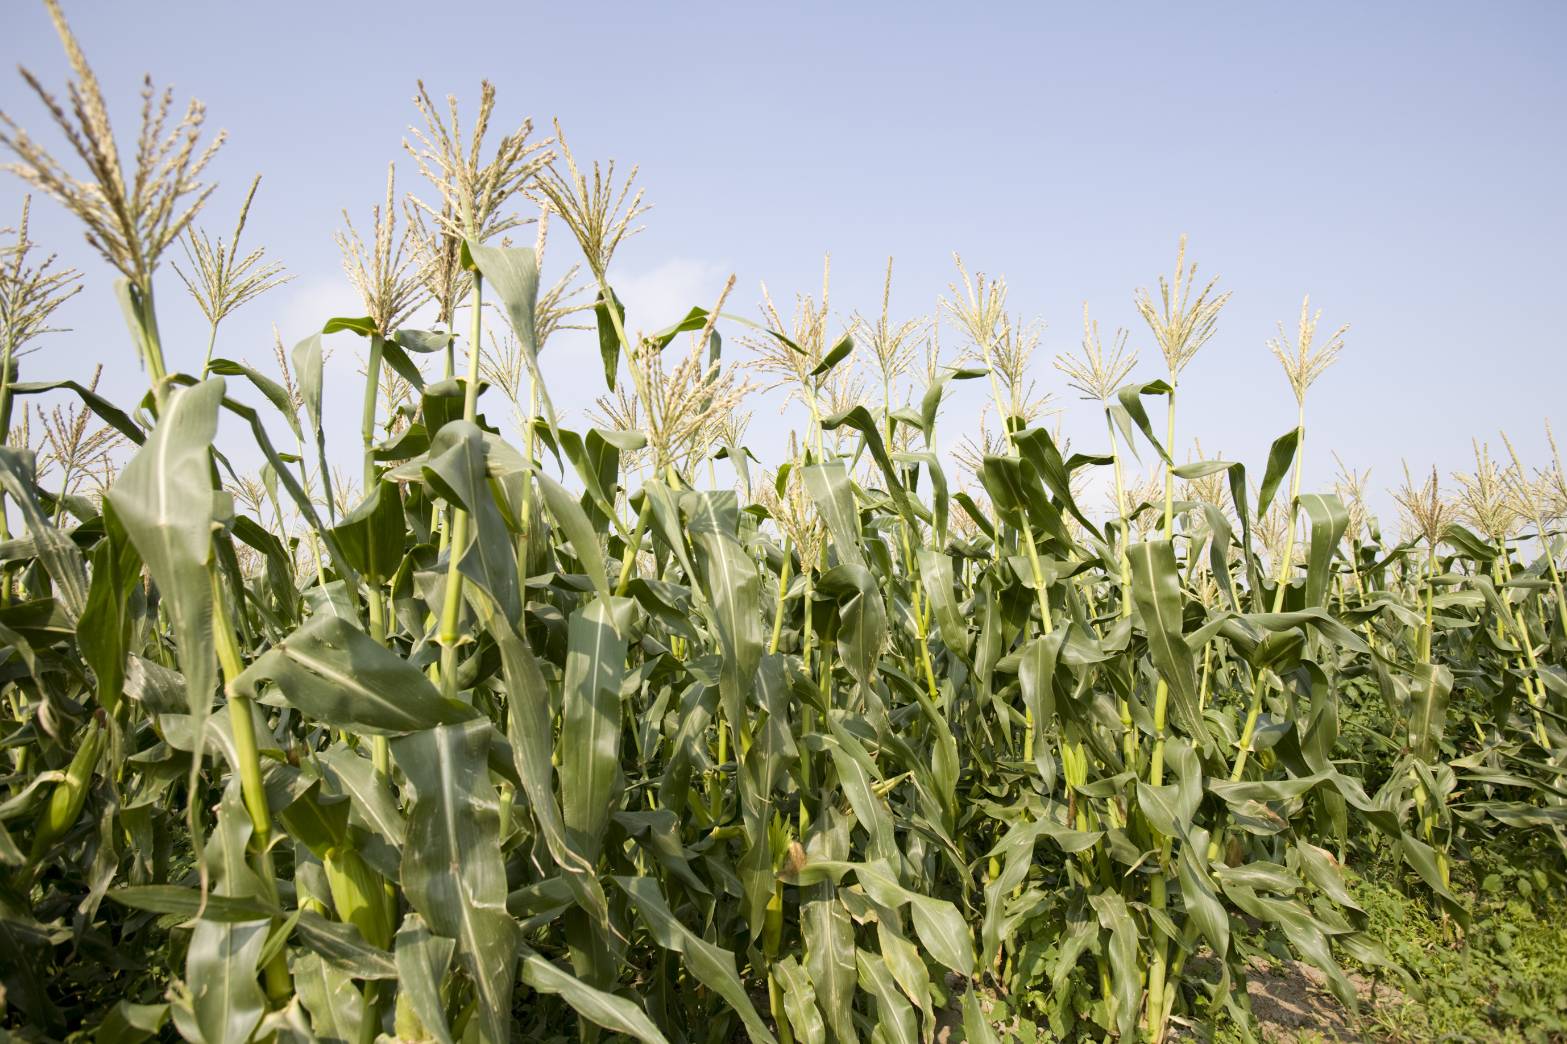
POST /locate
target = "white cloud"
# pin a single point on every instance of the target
(663, 294)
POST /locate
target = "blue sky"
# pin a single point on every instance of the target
(1401, 163)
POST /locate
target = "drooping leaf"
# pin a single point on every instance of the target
(335, 673)
(452, 871)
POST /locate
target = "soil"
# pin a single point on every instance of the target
(1292, 1002)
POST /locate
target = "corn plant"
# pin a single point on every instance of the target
(558, 735)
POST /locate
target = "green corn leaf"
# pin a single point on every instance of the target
(452, 871)
(275, 393)
(336, 1009)
(1280, 456)
(371, 535)
(105, 410)
(164, 500)
(834, 356)
(514, 275)
(712, 965)
(129, 1023)
(732, 589)
(422, 960)
(598, 1007)
(186, 903)
(573, 521)
(829, 486)
(800, 1002)
(936, 573)
(930, 402)
(894, 1014)
(609, 340)
(335, 673)
(860, 419)
(591, 723)
(54, 549)
(457, 470)
(862, 618)
(1121, 949)
(1128, 410)
(309, 370)
(226, 1003)
(1156, 589)
(529, 729)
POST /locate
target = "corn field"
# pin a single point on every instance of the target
(542, 729)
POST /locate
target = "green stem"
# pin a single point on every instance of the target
(252, 787)
(1169, 468)
(628, 558)
(1286, 561)
(451, 606)
(1534, 688)
(778, 605)
(525, 521)
(1120, 506)
(1158, 889)
(152, 344)
(367, 412)
(246, 750)
(212, 341)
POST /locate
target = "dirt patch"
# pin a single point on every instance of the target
(1292, 1002)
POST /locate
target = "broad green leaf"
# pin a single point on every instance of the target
(860, 419)
(529, 729)
(309, 371)
(1036, 675)
(1280, 456)
(799, 998)
(573, 522)
(342, 946)
(862, 615)
(220, 967)
(105, 410)
(1121, 949)
(590, 726)
(1156, 588)
(609, 339)
(371, 535)
(226, 1002)
(712, 965)
(164, 500)
(829, 486)
(335, 673)
(1433, 685)
(275, 393)
(336, 1008)
(936, 573)
(834, 356)
(452, 871)
(1329, 518)
(104, 633)
(894, 1014)
(456, 468)
(1128, 410)
(513, 272)
(597, 1006)
(129, 1023)
(186, 903)
(54, 549)
(422, 960)
(732, 589)
(930, 402)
